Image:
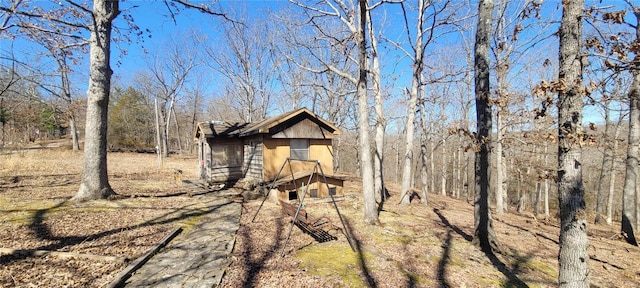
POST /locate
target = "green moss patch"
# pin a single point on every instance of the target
(334, 260)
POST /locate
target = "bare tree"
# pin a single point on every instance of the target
(245, 59)
(423, 38)
(70, 21)
(484, 235)
(572, 259)
(170, 71)
(368, 193)
(95, 182)
(631, 176)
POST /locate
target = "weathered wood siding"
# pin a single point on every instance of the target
(226, 160)
(305, 129)
(253, 158)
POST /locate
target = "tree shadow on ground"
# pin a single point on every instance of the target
(362, 263)
(455, 228)
(537, 234)
(444, 261)
(511, 274)
(42, 231)
(253, 261)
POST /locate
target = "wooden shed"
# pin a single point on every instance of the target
(230, 152)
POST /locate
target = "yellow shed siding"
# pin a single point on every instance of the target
(321, 150)
(276, 151)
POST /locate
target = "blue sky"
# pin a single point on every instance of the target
(154, 16)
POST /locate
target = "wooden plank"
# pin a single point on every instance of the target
(135, 265)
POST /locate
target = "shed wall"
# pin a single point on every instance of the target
(276, 151)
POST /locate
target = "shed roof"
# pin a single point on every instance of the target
(224, 129)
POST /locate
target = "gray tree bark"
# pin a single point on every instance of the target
(95, 182)
(631, 174)
(413, 102)
(484, 235)
(573, 258)
(378, 174)
(424, 176)
(606, 171)
(368, 193)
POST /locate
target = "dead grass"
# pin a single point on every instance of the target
(35, 215)
(416, 246)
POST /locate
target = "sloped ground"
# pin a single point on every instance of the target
(416, 246)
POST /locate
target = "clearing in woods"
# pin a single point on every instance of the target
(416, 246)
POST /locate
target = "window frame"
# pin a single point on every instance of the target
(299, 150)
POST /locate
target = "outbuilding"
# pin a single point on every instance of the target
(255, 152)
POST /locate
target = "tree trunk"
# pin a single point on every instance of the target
(432, 162)
(368, 193)
(424, 177)
(411, 111)
(612, 184)
(538, 198)
(484, 235)
(572, 258)
(601, 196)
(95, 182)
(443, 176)
(500, 166)
(458, 172)
(546, 182)
(379, 188)
(175, 120)
(631, 175)
(74, 133)
(158, 134)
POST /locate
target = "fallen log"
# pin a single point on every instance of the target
(121, 277)
(63, 255)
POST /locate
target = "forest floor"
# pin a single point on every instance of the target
(415, 246)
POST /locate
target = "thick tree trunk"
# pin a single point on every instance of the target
(572, 258)
(484, 235)
(368, 193)
(95, 182)
(632, 169)
(631, 176)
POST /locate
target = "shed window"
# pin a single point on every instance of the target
(300, 149)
